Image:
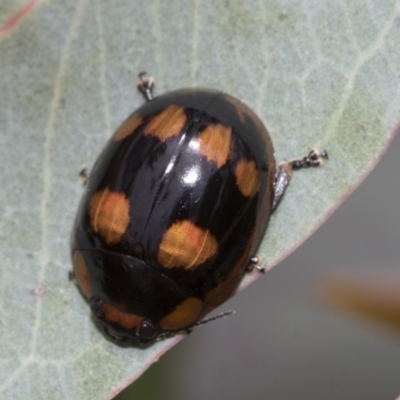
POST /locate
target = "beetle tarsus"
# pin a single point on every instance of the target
(84, 174)
(254, 264)
(313, 159)
(146, 86)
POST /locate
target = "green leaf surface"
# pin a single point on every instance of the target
(321, 74)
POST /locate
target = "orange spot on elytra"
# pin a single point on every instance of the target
(184, 315)
(81, 274)
(128, 127)
(126, 320)
(109, 214)
(185, 245)
(247, 177)
(215, 143)
(166, 124)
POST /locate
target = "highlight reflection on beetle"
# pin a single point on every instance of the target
(174, 209)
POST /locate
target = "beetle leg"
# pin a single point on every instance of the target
(96, 306)
(254, 264)
(84, 174)
(146, 86)
(285, 169)
(282, 178)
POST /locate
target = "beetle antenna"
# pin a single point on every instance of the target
(213, 318)
(188, 330)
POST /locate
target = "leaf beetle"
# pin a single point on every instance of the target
(173, 211)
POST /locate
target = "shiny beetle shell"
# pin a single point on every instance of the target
(174, 208)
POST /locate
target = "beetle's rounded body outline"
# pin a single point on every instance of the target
(174, 209)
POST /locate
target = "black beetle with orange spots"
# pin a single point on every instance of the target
(173, 212)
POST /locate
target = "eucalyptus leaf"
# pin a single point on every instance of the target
(321, 74)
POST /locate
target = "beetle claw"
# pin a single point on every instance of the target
(146, 86)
